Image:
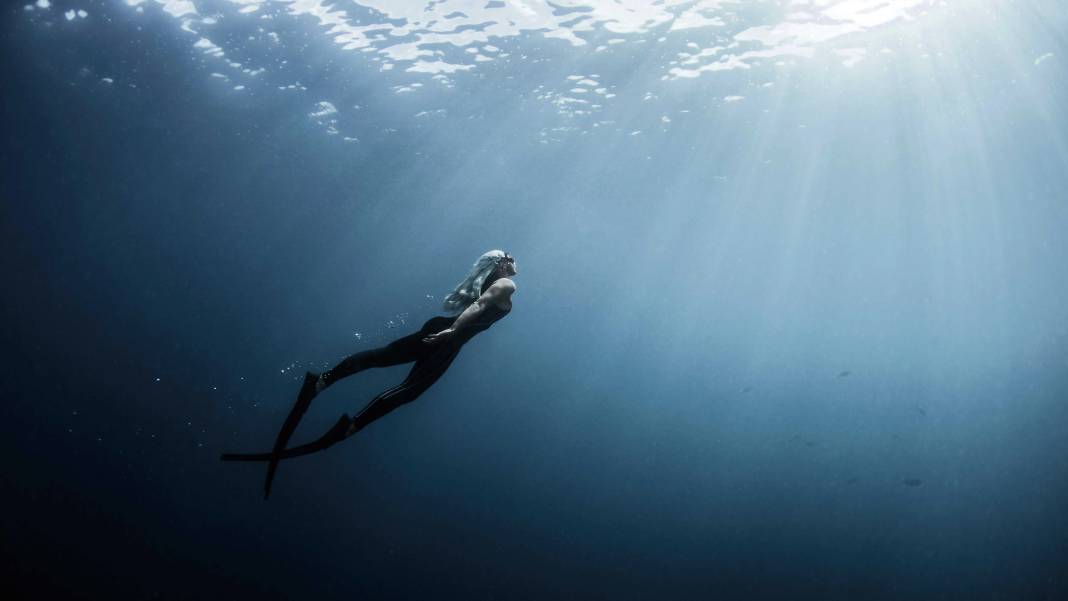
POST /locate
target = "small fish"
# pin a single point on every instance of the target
(922, 411)
(747, 389)
(853, 480)
(912, 482)
(810, 443)
(844, 374)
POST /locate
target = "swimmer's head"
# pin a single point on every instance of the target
(507, 265)
(493, 263)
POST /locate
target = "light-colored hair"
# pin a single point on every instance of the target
(468, 291)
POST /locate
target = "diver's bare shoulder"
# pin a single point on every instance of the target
(502, 291)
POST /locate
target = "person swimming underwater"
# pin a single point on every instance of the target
(481, 299)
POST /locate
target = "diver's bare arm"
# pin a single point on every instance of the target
(496, 292)
(470, 313)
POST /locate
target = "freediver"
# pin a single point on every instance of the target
(482, 298)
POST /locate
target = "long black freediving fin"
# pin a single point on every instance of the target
(304, 399)
(336, 434)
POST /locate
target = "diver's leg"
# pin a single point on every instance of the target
(423, 374)
(399, 351)
(403, 350)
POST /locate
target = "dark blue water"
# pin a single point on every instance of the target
(792, 326)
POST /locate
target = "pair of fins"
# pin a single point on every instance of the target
(336, 434)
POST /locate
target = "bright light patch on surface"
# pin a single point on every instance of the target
(208, 47)
(851, 56)
(178, 8)
(323, 109)
(1043, 58)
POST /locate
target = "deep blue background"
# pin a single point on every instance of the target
(666, 413)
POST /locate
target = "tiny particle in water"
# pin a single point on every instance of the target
(157, 379)
(912, 482)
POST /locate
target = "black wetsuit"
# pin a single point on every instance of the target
(431, 361)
